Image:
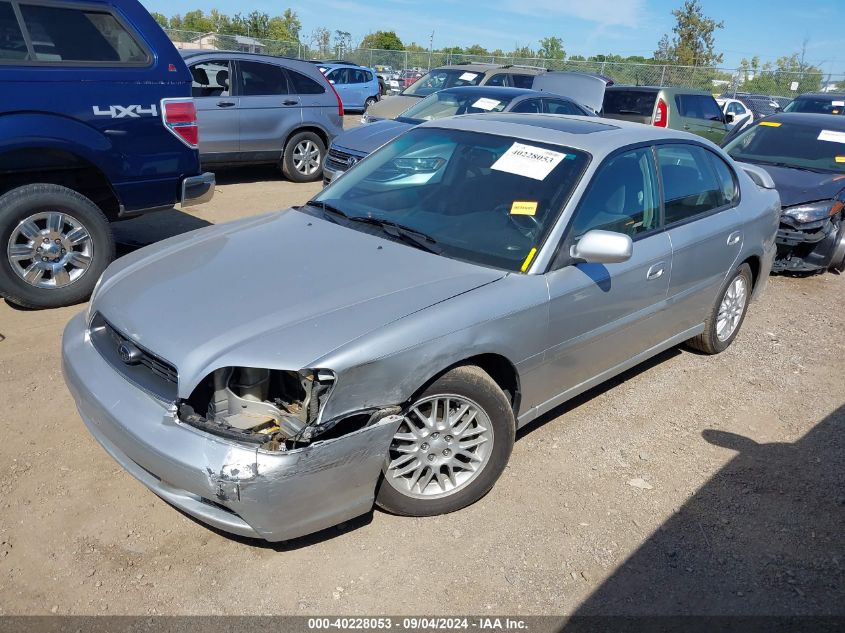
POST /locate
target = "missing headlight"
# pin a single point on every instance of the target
(257, 405)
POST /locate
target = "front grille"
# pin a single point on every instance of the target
(147, 371)
(340, 161)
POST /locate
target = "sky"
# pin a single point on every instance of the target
(587, 27)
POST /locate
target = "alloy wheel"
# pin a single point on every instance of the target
(306, 157)
(731, 309)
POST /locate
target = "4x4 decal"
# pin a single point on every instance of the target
(121, 112)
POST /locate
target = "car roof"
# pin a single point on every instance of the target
(821, 95)
(808, 118)
(188, 53)
(596, 136)
(481, 67)
(667, 89)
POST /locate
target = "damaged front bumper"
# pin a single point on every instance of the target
(810, 247)
(237, 488)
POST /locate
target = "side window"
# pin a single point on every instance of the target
(726, 180)
(530, 106)
(622, 197)
(698, 107)
(12, 44)
(64, 34)
(739, 108)
(559, 106)
(368, 76)
(261, 79)
(690, 186)
(709, 108)
(210, 79)
(497, 80)
(338, 76)
(303, 85)
(522, 81)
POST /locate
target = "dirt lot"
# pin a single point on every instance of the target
(694, 484)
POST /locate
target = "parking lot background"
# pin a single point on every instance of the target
(692, 484)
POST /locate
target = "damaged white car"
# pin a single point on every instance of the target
(277, 375)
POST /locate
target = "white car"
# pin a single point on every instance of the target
(742, 116)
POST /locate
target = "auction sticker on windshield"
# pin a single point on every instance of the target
(486, 104)
(523, 207)
(832, 135)
(528, 161)
(468, 76)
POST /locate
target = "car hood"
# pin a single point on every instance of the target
(797, 186)
(391, 107)
(588, 90)
(366, 138)
(279, 291)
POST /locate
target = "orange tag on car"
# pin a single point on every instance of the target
(520, 207)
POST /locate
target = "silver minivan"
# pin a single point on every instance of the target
(264, 109)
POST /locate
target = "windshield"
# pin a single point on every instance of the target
(443, 104)
(791, 145)
(476, 197)
(817, 105)
(442, 78)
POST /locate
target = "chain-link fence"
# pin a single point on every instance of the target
(716, 80)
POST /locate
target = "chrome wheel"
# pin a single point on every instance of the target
(306, 158)
(731, 309)
(442, 445)
(50, 250)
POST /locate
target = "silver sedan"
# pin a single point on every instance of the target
(277, 375)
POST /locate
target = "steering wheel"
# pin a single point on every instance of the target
(527, 225)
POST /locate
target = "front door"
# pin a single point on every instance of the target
(701, 115)
(268, 110)
(603, 315)
(217, 109)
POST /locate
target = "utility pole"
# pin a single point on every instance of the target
(430, 46)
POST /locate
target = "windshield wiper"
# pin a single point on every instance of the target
(781, 164)
(410, 236)
(327, 208)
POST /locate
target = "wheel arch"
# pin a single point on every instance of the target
(755, 265)
(316, 129)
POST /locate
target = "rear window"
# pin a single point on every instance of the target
(698, 107)
(12, 44)
(640, 102)
(303, 85)
(61, 34)
(522, 81)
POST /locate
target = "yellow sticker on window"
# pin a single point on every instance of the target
(528, 259)
(522, 207)
(770, 123)
(839, 159)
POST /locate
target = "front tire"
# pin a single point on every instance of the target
(55, 244)
(452, 447)
(371, 101)
(727, 315)
(303, 157)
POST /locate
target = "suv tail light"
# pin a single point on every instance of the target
(336, 96)
(661, 118)
(180, 117)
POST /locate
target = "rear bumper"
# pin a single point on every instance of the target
(234, 487)
(197, 189)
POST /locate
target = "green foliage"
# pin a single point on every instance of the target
(161, 19)
(476, 49)
(551, 48)
(694, 41)
(385, 40)
(777, 78)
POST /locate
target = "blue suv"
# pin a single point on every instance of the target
(97, 124)
(357, 86)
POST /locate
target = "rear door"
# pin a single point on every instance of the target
(341, 80)
(700, 197)
(269, 110)
(217, 109)
(699, 114)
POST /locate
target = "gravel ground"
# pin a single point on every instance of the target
(693, 484)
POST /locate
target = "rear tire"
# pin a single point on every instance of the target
(456, 458)
(727, 315)
(54, 245)
(303, 157)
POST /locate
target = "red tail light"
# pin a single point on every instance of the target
(180, 117)
(661, 119)
(336, 96)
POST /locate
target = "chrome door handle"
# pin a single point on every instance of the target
(656, 271)
(734, 238)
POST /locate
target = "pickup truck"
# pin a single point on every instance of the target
(97, 125)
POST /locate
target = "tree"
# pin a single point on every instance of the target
(196, 21)
(342, 42)
(551, 48)
(694, 42)
(161, 19)
(779, 78)
(385, 40)
(319, 39)
(475, 49)
(523, 51)
(285, 27)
